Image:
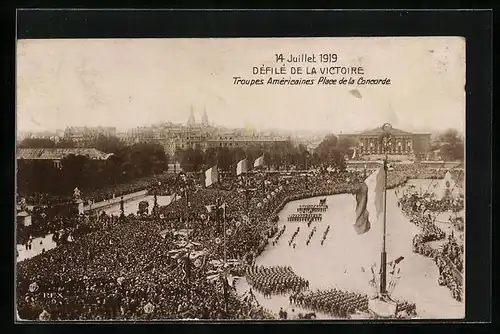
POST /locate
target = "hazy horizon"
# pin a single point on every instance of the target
(127, 83)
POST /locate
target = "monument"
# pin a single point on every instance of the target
(77, 200)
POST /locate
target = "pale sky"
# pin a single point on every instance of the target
(132, 82)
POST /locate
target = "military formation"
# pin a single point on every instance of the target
(310, 208)
(305, 217)
(275, 280)
(334, 301)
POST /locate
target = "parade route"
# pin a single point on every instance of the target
(344, 260)
(129, 207)
(36, 248)
(133, 205)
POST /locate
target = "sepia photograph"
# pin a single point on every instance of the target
(240, 179)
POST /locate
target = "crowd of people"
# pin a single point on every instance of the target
(124, 267)
(158, 181)
(108, 248)
(275, 280)
(422, 210)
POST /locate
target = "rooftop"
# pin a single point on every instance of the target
(59, 153)
(379, 131)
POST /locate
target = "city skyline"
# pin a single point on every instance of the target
(130, 83)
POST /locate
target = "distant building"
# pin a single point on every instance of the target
(231, 140)
(84, 135)
(191, 120)
(204, 119)
(197, 135)
(57, 154)
(404, 145)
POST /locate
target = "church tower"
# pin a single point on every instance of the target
(204, 119)
(191, 120)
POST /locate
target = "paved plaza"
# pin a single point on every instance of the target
(343, 261)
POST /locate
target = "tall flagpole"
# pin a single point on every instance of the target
(383, 255)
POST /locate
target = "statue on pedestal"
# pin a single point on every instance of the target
(77, 200)
(76, 194)
(122, 208)
(155, 206)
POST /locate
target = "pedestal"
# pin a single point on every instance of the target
(24, 218)
(79, 206)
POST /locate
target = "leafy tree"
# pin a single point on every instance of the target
(344, 143)
(108, 144)
(37, 143)
(75, 168)
(451, 145)
(66, 143)
(328, 153)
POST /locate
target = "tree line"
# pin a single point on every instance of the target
(450, 145)
(126, 164)
(107, 144)
(279, 155)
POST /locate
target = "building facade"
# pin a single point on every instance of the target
(403, 145)
(56, 155)
(83, 136)
(194, 135)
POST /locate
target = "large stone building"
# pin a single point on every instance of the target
(56, 155)
(82, 136)
(403, 146)
(192, 135)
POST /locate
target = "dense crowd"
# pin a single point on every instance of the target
(124, 268)
(422, 210)
(155, 182)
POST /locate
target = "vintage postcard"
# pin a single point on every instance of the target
(240, 179)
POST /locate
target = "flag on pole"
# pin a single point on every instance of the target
(241, 167)
(211, 176)
(259, 162)
(362, 224)
(210, 207)
(223, 208)
(370, 190)
(379, 191)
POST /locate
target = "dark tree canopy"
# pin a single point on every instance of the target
(328, 153)
(37, 143)
(126, 164)
(451, 145)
